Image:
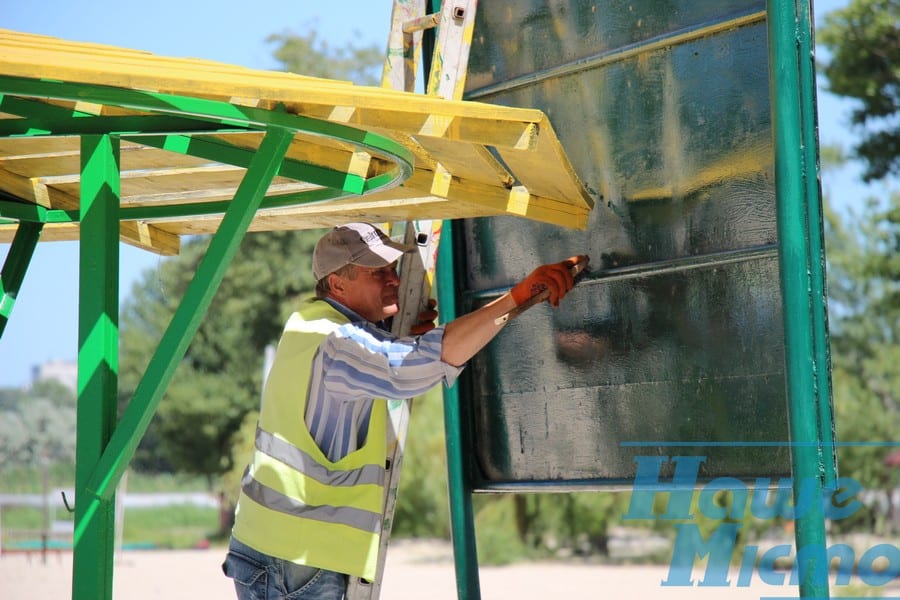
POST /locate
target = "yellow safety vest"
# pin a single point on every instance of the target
(295, 504)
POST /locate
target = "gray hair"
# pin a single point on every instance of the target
(323, 287)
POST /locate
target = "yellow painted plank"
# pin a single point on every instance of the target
(69, 61)
(141, 235)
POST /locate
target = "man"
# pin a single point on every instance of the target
(309, 512)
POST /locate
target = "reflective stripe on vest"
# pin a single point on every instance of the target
(266, 496)
(301, 461)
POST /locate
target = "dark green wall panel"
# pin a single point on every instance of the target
(663, 108)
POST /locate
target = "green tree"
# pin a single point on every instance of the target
(864, 42)
(37, 426)
(308, 54)
(864, 302)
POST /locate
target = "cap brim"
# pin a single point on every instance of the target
(383, 255)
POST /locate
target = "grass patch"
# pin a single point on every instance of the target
(28, 480)
(176, 527)
(172, 527)
(22, 517)
(143, 483)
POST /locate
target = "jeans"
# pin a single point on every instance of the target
(258, 576)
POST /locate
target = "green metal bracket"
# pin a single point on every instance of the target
(33, 213)
(223, 152)
(40, 118)
(202, 109)
(15, 266)
(19, 211)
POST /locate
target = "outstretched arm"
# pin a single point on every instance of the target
(468, 334)
(465, 336)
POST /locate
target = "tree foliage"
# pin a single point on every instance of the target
(864, 298)
(37, 425)
(864, 42)
(308, 54)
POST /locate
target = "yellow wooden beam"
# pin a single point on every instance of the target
(138, 234)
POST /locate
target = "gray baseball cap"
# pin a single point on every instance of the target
(355, 244)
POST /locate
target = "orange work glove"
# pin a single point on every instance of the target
(426, 319)
(556, 278)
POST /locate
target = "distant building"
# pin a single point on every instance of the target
(63, 371)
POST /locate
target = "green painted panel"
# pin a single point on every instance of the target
(684, 355)
(677, 335)
(522, 39)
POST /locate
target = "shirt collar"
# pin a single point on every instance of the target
(353, 315)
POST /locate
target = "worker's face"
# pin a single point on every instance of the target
(371, 292)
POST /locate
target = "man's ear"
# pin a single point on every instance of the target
(336, 284)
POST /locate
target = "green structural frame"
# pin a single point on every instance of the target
(801, 264)
(105, 444)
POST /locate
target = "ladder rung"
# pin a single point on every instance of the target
(420, 23)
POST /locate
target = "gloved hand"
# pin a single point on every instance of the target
(556, 278)
(426, 319)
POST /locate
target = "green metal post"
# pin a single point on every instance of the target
(98, 357)
(462, 520)
(818, 293)
(187, 317)
(797, 203)
(15, 266)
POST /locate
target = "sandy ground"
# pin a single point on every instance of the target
(415, 570)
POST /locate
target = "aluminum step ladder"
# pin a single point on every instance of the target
(455, 23)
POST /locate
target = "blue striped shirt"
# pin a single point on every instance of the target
(358, 363)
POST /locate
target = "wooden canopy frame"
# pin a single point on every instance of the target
(188, 128)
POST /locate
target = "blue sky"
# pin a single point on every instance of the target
(43, 324)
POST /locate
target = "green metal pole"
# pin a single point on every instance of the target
(818, 292)
(462, 519)
(794, 197)
(15, 266)
(187, 317)
(98, 357)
